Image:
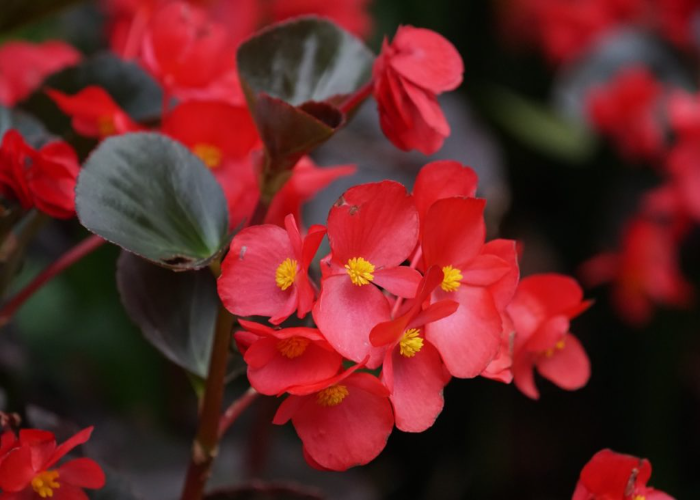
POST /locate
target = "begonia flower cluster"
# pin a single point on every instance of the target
(31, 468)
(410, 295)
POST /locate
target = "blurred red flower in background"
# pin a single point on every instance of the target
(409, 73)
(614, 476)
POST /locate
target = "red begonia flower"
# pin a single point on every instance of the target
(205, 127)
(372, 229)
(342, 422)
(408, 75)
(563, 28)
(413, 370)
(30, 471)
(94, 113)
(452, 238)
(25, 65)
(540, 311)
(279, 359)
(675, 20)
(683, 165)
(502, 291)
(266, 271)
(614, 476)
(349, 14)
(186, 51)
(644, 272)
(684, 114)
(44, 179)
(627, 110)
(306, 181)
(442, 179)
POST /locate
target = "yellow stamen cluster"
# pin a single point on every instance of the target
(286, 273)
(640, 497)
(292, 347)
(451, 278)
(332, 396)
(558, 347)
(106, 126)
(45, 482)
(210, 155)
(360, 271)
(410, 343)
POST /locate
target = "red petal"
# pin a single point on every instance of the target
(210, 123)
(504, 289)
(485, 269)
(468, 339)
(401, 281)
(376, 221)
(69, 492)
(608, 473)
(453, 232)
(417, 389)
(434, 312)
(351, 433)
(568, 368)
(66, 447)
(16, 471)
(260, 353)
(41, 443)
(250, 266)
(280, 373)
(547, 335)
(427, 59)
(442, 179)
(287, 409)
(82, 472)
(346, 313)
(524, 375)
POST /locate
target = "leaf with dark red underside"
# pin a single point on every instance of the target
(176, 312)
(295, 75)
(150, 195)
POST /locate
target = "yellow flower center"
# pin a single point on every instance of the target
(292, 347)
(332, 396)
(558, 347)
(640, 497)
(451, 278)
(410, 343)
(360, 271)
(285, 274)
(106, 126)
(45, 482)
(210, 155)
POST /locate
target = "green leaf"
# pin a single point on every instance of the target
(540, 127)
(295, 75)
(175, 311)
(116, 488)
(129, 85)
(150, 195)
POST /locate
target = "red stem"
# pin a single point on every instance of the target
(356, 99)
(85, 247)
(236, 409)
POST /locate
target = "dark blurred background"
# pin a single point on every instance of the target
(565, 194)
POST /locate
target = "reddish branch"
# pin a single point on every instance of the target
(85, 247)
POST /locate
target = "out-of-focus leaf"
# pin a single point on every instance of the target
(621, 48)
(153, 197)
(539, 127)
(294, 75)
(262, 491)
(175, 311)
(16, 13)
(116, 488)
(129, 85)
